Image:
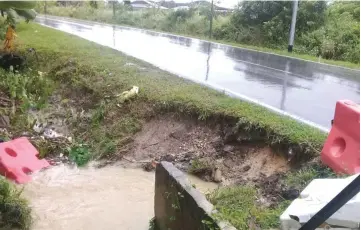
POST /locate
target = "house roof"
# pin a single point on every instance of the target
(173, 4)
(147, 3)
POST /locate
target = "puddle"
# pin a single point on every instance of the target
(65, 197)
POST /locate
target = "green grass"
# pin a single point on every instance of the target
(103, 70)
(198, 166)
(238, 206)
(14, 210)
(105, 16)
(29, 87)
(299, 179)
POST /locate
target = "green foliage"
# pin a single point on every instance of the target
(238, 206)
(339, 38)
(31, 88)
(152, 224)
(198, 165)
(23, 5)
(300, 178)
(15, 9)
(98, 115)
(79, 154)
(93, 4)
(331, 32)
(270, 20)
(14, 210)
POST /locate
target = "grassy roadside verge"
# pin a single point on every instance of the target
(104, 73)
(107, 18)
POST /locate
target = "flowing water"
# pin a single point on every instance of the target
(113, 197)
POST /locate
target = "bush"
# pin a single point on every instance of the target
(196, 25)
(339, 38)
(15, 211)
(79, 154)
(31, 88)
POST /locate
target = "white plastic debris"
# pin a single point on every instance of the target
(314, 197)
(38, 127)
(129, 93)
(49, 133)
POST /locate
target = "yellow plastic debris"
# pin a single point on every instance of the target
(129, 93)
(9, 38)
(126, 95)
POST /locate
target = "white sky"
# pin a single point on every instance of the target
(224, 3)
(228, 3)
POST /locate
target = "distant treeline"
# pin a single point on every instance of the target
(329, 30)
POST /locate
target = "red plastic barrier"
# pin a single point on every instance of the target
(341, 151)
(18, 158)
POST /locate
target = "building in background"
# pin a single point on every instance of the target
(145, 4)
(173, 5)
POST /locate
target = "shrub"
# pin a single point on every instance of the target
(15, 211)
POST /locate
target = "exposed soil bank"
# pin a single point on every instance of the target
(188, 143)
(207, 151)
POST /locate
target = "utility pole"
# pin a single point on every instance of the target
(113, 9)
(293, 26)
(211, 22)
(45, 7)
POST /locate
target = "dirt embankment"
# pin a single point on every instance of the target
(195, 147)
(138, 134)
(210, 152)
(207, 150)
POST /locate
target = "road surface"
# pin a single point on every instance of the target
(303, 89)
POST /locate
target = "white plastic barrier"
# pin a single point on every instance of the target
(314, 197)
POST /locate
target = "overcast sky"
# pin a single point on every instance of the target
(224, 3)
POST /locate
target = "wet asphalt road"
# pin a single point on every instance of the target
(308, 90)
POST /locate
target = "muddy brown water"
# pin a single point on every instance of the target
(113, 197)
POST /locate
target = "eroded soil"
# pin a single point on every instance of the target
(208, 151)
(200, 149)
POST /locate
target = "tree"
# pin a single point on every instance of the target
(93, 4)
(339, 37)
(15, 9)
(270, 21)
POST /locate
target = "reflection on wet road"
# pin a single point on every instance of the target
(305, 89)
